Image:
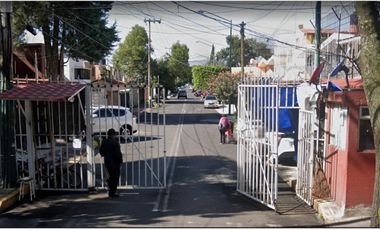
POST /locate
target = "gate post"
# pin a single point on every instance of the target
(89, 149)
(29, 139)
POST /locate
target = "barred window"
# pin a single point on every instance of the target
(366, 141)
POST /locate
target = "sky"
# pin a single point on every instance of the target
(203, 23)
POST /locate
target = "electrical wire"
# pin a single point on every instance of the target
(251, 8)
(190, 20)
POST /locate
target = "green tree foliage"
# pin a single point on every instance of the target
(131, 58)
(76, 29)
(252, 49)
(203, 74)
(368, 18)
(160, 68)
(178, 64)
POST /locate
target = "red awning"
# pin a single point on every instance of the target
(42, 92)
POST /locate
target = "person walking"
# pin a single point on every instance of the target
(224, 125)
(110, 150)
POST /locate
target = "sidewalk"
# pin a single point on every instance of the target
(224, 109)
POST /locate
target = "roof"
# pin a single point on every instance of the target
(42, 92)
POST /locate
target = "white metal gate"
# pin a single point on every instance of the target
(58, 134)
(259, 104)
(307, 133)
(141, 128)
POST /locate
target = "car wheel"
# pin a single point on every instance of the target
(126, 130)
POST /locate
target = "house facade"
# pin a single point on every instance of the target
(350, 152)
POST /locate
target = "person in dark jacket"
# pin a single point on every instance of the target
(110, 150)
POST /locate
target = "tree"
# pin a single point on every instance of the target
(252, 49)
(76, 29)
(160, 68)
(369, 24)
(203, 74)
(212, 56)
(131, 58)
(178, 64)
(225, 87)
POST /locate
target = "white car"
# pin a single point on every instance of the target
(210, 102)
(116, 117)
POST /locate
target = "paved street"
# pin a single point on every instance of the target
(201, 188)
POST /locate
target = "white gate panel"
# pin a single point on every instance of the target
(141, 136)
(306, 145)
(261, 102)
(257, 148)
(44, 135)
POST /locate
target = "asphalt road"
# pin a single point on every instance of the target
(201, 189)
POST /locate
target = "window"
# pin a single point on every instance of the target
(366, 141)
(103, 113)
(119, 112)
(82, 74)
(338, 127)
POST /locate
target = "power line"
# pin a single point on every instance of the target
(82, 32)
(190, 20)
(252, 8)
(257, 34)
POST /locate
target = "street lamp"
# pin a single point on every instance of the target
(203, 12)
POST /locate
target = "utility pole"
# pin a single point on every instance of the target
(317, 35)
(230, 46)
(242, 24)
(149, 48)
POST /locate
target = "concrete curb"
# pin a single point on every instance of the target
(350, 220)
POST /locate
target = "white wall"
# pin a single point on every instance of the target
(70, 66)
(290, 62)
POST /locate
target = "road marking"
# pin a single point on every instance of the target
(173, 152)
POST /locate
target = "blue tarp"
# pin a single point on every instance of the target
(287, 118)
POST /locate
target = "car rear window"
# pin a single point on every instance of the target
(210, 98)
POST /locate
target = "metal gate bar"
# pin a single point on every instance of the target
(257, 116)
(141, 166)
(305, 157)
(260, 100)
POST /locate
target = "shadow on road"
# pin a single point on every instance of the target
(202, 186)
(172, 118)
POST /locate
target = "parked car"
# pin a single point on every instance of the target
(116, 117)
(182, 93)
(198, 93)
(210, 102)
